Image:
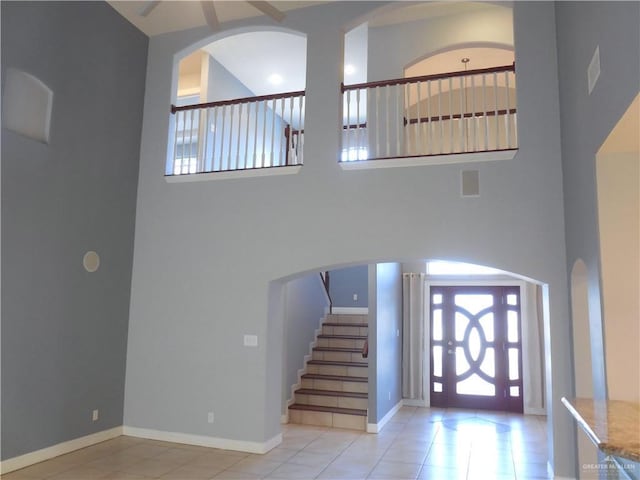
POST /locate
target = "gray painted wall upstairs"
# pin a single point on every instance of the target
(64, 330)
(587, 120)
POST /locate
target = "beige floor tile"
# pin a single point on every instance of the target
(395, 471)
(150, 467)
(124, 476)
(80, 472)
(256, 466)
(190, 472)
(430, 472)
(312, 459)
(295, 472)
(146, 450)
(43, 469)
(115, 462)
(20, 475)
(231, 475)
(326, 453)
(215, 460)
(280, 454)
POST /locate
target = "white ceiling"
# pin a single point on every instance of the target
(264, 54)
(172, 16)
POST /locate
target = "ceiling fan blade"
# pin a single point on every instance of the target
(148, 8)
(268, 9)
(210, 15)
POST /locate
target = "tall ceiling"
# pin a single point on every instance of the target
(267, 53)
(173, 16)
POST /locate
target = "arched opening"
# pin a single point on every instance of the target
(451, 89)
(392, 333)
(239, 111)
(618, 190)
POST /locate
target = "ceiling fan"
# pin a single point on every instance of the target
(209, 11)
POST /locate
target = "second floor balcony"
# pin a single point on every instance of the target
(385, 123)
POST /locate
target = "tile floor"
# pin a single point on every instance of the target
(417, 443)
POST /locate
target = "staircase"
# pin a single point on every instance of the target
(335, 383)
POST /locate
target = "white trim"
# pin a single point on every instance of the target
(47, 453)
(377, 427)
(350, 310)
(534, 411)
(429, 160)
(226, 175)
(414, 402)
(524, 299)
(552, 475)
(204, 441)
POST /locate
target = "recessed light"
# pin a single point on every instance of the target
(349, 69)
(275, 79)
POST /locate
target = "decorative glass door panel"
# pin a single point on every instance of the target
(476, 347)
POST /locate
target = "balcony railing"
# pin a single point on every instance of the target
(242, 134)
(459, 112)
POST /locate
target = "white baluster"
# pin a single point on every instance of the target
(507, 116)
(495, 93)
(176, 123)
(301, 132)
(397, 122)
(486, 116)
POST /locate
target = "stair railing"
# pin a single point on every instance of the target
(325, 281)
(458, 112)
(240, 134)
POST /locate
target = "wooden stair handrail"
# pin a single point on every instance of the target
(237, 101)
(424, 78)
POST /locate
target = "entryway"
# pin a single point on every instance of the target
(476, 347)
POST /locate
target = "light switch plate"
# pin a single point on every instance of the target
(250, 340)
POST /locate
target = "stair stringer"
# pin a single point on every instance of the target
(314, 343)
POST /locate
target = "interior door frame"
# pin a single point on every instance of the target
(488, 280)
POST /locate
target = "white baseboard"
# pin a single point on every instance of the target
(204, 441)
(414, 402)
(47, 453)
(534, 411)
(377, 427)
(350, 310)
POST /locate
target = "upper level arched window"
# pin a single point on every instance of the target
(239, 104)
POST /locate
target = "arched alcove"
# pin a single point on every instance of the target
(234, 102)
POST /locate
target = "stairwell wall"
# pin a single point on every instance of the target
(305, 304)
(385, 340)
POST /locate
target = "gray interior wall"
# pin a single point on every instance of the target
(586, 122)
(64, 330)
(345, 282)
(188, 300)
(305, 301)
(421, 38)
(385, 339)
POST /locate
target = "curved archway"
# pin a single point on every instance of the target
(238, 100)
(448, 59)
(281, 298)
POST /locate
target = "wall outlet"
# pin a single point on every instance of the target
(210, 417)
(389, 395)
(355, 297)
(95, 415)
